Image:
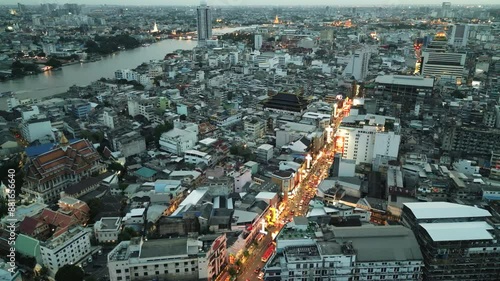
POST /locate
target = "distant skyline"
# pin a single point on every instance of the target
(254, 2)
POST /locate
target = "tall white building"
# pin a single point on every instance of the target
(257, 41)
(366, 136)
(70, 247)
(108, 118)
(459, 35)
(204, 22)
(37, 129)
(357, 67)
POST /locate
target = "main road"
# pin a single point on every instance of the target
(296, 206)
(56, 82)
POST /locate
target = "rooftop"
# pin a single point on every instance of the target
(164, 248)
(405, 80)
(458, 231)
(443, 210)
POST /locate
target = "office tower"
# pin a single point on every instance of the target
(257, 41)
(459, 35)
(358, 65)
(204, 23)
(458, 242)
(446, 9)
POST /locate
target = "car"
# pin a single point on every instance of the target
(89, 260)
(261, 276)
(99, 253)
(84, 264)
(257, 270)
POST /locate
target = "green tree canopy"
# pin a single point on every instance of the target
(70, 272)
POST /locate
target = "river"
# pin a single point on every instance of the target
(56, 82)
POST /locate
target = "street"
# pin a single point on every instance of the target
(98, 267)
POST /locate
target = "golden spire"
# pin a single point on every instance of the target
(276, 20)
(63, 141)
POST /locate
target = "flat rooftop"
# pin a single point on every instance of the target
(458, 231)
(445, 210)
(405, 80)
(164, 248)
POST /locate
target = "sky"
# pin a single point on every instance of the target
(253, 2)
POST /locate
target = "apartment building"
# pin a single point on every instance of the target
(473, 140)
(350, 253)
(201, 258)
(405, 90)
(495, 165)
(109, 118)
(71, 247)
(142, 107)
(357, 66)
(458, 242)
(130, 143)
(254, 127)
(366, 136)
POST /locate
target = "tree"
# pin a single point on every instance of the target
(55, 63)
(94, 206)
(41, 54)
(127, 234)
(70, 272)
(232, 271)
(160, 129)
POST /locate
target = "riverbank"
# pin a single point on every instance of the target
(81, 74)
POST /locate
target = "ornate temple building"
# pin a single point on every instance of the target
(286, 103)
(48, 174)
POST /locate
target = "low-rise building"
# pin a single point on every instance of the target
(201, 258)
(107, 229)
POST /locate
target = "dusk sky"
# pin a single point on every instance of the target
(250, 2)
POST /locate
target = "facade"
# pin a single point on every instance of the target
(357, 67)
(201, 258)
(109, 117)
(182, 137)
(107, 229)
(458, 242)
(48, 174)
(473, 140)
(353, 253)
(254, 127)
(459, 35)
(81, 110)
(70, 247)
(404, 89)
(37, 129)
(142, 107)
(129, 144)
(495, 165)
(440, 65)
(204, 20)
(366, 136)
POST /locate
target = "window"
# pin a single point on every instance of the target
(186, 269)
(118, 271)
(177, 270)
(146, 273)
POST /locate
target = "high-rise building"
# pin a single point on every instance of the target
(446, 9)
(258, 41)
(358, 65)
(459, 35)
(204, 22)
(458, 242)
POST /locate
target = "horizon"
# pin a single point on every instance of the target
(256, 3)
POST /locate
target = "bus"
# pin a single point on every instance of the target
(268, 253)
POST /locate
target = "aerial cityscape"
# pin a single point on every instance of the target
(222, 140)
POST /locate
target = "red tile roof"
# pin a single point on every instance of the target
(29, 225)
(78, 157)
